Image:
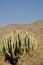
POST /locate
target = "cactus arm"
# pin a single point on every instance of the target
(7, 52)
(12, 43)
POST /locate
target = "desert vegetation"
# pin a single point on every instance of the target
(15, 45)
(29, 52)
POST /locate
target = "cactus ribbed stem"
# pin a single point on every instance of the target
(15, 45)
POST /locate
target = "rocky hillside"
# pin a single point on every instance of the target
(36, 28)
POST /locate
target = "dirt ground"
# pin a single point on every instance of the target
(2, 62)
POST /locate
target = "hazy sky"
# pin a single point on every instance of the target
(20, 11)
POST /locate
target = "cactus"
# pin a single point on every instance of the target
(11, 49)
(15, 45)
(27, 42)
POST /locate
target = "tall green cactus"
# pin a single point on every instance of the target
(11, 49)
(15, 45)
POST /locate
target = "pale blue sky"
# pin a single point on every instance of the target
(20, 11)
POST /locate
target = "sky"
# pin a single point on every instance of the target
(20, 11)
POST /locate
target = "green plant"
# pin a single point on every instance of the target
(15, 45)
(11, 47)
(27, 48)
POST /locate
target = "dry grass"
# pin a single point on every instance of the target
(31, 58)
(35, 59)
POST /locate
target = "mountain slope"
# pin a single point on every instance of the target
(36, 28)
